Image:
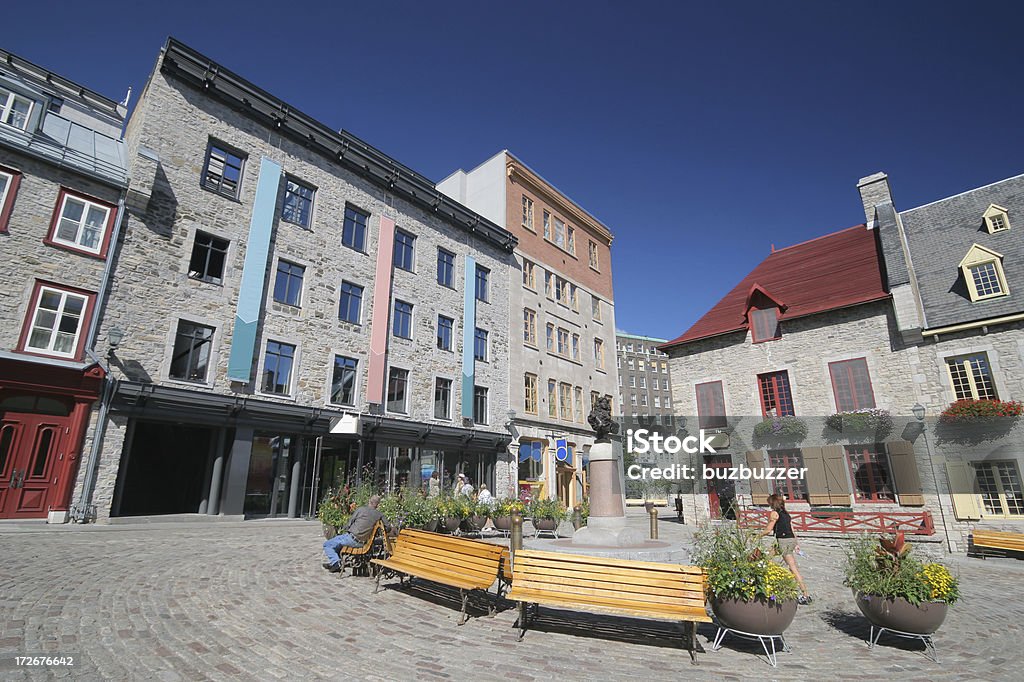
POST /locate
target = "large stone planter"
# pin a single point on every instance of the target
(896, 613)
(451, 524)
(546, 525)
(431, 526)
(502, 522)
(754, 617)
(474, 524)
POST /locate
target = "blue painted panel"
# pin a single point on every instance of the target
(468, 335)
(254, 270)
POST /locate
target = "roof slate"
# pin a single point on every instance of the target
(834, 271)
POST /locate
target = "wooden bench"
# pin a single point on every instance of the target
(985, 542)
(471, 566)
(609, 586)
(359, 557)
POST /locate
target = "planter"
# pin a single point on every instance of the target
(502, 522)
(754, 617)
(431, 526)
(547, 525)
(896, 613)
(329, 531)
(452, 523)
(474, 524)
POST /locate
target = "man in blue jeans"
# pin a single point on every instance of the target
(356, 533)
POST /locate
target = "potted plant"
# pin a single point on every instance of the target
(896, 590)
(392, 509)
(502, 512)
(871, 422)
(334, 511)
(779, 430)
(452, 510)
(547, 514)
(419, 511)
(477, 518)
(748, 590)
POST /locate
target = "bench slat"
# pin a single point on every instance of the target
(693, 613)
(628, 564)
(636, 592)
(568, 591)
(998, 540)
(449, 556)
(450, 579)
(464, 545)
(590, 572)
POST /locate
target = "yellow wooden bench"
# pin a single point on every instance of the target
(359, 557)
(983, 541)
(467, 565)
(609, 586)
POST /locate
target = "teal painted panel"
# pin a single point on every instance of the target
(254, 270)
(468, 336)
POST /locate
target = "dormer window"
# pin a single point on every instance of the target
(983, 272)
(14, 109)
(763, 315)
(996, 219)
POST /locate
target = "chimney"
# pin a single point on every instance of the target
(874, 190)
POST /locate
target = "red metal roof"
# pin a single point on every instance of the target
(834, 271)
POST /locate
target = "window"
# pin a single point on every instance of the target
(529, 327)
(657, 401)
(528, 213)
(791, 489)
(664, 370)
(643, 382)
(668, 402)
(643, 400)
(444, 332)
(550, 337)
(996, 219)
(343, 380)
(298, 204)
(563, 342)
(81, 224)
(851, 385)
(405, 250)
(57, 321)
(445, 268)
(595, 262)
(191, 356)
(764, 324)
(562, 291)
(983, 272)
(1000, 487)
(288, 286)
(482, 280)
(442, 398)
(277, 368)
(971, 376)
(641, 366)
(565, 402)
(595, 308)
(629, 347)
(776, 398)
(480, 344)
(402, 326)
(208, 256)
(869, 469)
(552, 398)
(479, 405)
(577, 393)
(530, 393)
(632, 381)
(572, 241)
(549, 282)
(9, 181)
(631, 363)
(599, 353)
(353, 232)
(632, 399)
(15, 110)
(223, 171)
(547, 225)
(576, 347)
(351, 302)
(595, 396)
(398, 384)
(55, 105)
(529, 275)
(574, 297)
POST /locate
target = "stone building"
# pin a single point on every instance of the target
(62, 182)
(291, 306)
(562, 361)
(645, 389)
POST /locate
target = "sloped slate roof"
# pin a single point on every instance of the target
(834, 271)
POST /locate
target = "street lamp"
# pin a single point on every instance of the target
(918, 411)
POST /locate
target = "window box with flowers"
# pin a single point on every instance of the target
(973, 421)
(779, 430)
(874, 423)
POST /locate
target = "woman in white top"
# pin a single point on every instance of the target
(484, 496)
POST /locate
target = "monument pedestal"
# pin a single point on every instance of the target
(607, 522)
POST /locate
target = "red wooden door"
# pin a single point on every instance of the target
(719, 491)
(30, 449)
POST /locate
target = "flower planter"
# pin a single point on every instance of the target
(474, 524)
(546, 525)
(754, 617)
(896, 613)
(502, 522)
(431, 526)
(329, 531)
(452, 523)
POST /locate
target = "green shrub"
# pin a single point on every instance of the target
(508, 506)
(548, 509)
(885, 567)
(737, 567)
(780, 429)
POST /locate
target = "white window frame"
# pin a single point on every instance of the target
(58, 314)
(7, 107)
(978, 256)
(528, 213)
(76, 244)
(993, 212)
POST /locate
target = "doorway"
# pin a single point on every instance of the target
(721, 493)
(165, 471)
(30, 448)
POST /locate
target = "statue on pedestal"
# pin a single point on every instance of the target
(601, 421)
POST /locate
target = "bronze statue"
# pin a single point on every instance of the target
(600, 419)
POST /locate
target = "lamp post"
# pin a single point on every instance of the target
(919, 411)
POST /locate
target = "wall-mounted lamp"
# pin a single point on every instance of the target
(918, 410)
(511, 414)
(114, 337)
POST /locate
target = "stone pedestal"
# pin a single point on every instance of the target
(607, 523)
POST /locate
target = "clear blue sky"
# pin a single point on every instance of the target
(700, 132)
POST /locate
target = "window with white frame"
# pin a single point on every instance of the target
(982, 269)
(529, 274)
(599, 353)
(530, 393)
(442, 398)
(223, 170)
(529, 327)
(9, 181)
(15, 110)
(577, 393)
(997, 219)
(595, 261)
(81, 224)
(595, 308)
(550, 333)
(999, 483)
(528, 213)
(971, 377)
(565, 401)
(57, 321)
(576, 347)
(552, 398)
(298, 203)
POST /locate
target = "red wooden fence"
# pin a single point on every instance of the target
(913, 523)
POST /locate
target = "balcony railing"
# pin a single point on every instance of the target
(914, 523)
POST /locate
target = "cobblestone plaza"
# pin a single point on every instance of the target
(227, 601)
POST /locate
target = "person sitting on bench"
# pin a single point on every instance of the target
(357, 532)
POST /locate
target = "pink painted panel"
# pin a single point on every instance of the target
(381, 312)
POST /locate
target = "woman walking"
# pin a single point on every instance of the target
(781, 523)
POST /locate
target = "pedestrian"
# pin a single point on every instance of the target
(463, 486)
(434, 484)
(781, 524)
(357, 532)
(484, 496)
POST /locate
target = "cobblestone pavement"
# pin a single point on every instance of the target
(225, 601)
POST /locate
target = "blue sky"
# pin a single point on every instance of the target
(700, 132)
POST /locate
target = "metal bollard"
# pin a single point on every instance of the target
(654, 523)
(516, 541)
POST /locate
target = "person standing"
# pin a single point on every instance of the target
(463, 486)
(434, 484)
(357, 532)
(781, 524)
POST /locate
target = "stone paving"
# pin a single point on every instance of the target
(228, 601)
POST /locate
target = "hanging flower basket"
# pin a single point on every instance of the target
(981, 411)
(776, 430)
(872, 422)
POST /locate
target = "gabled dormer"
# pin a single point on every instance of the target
(996, 218)
(983, 272)
(761, 314)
